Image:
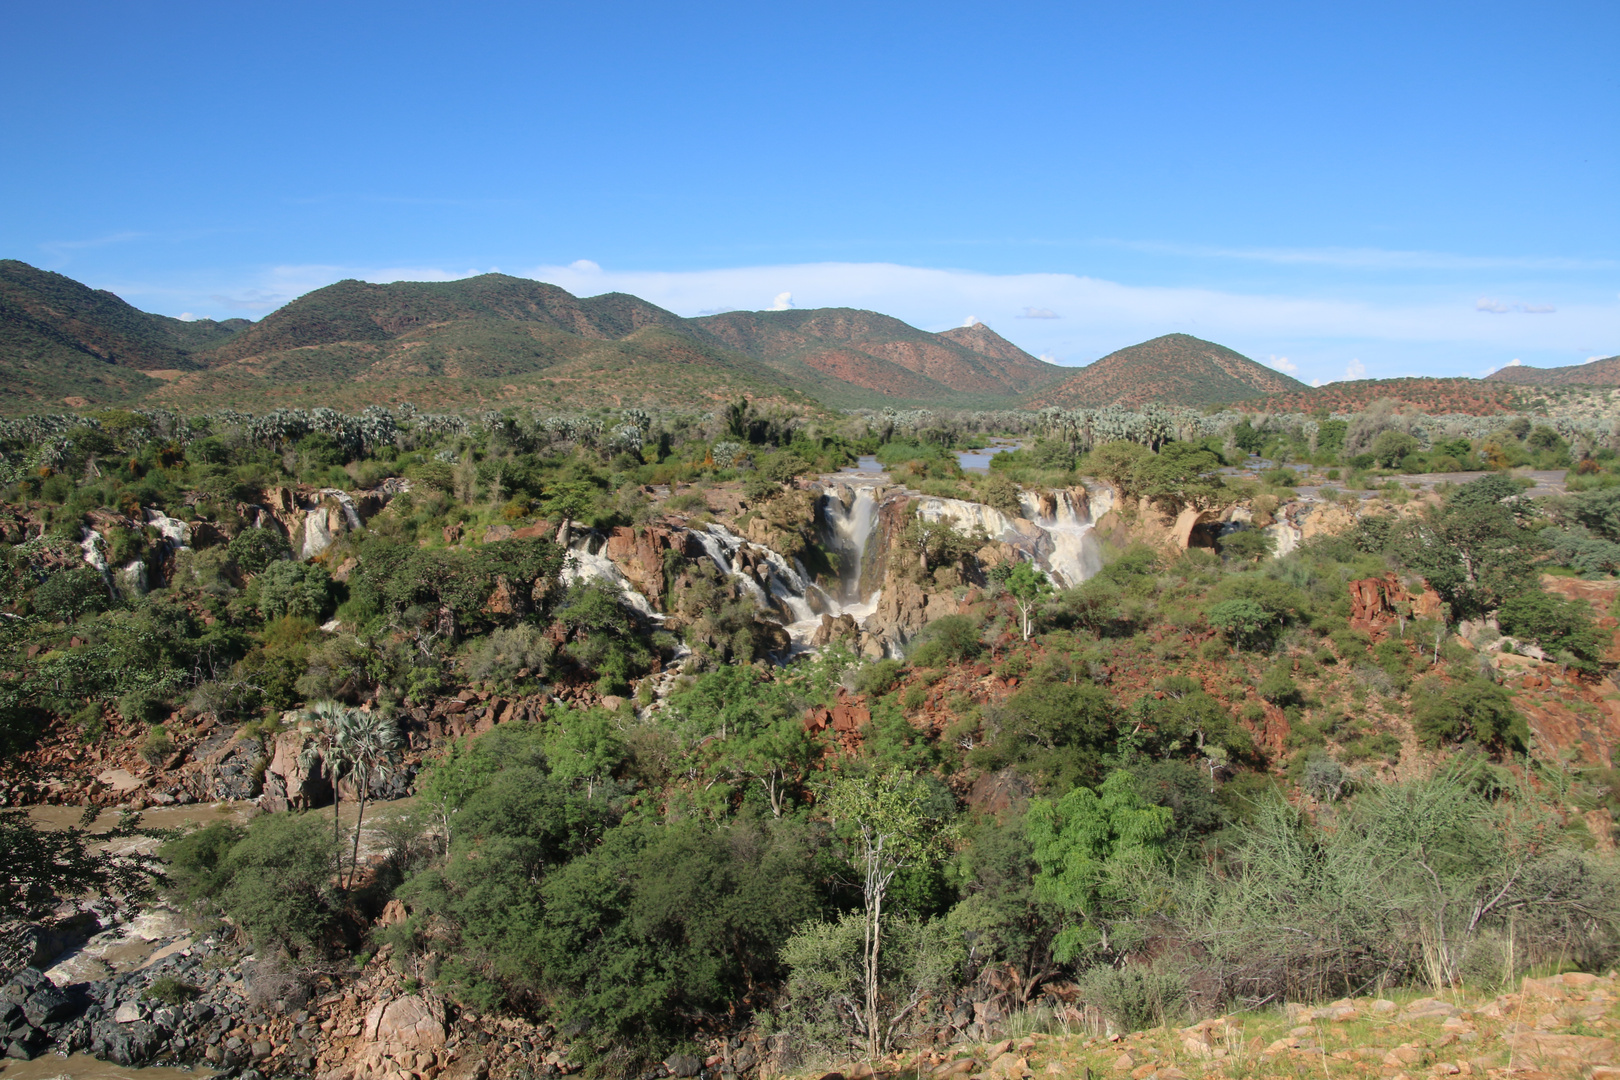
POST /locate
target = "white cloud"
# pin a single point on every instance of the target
(1372, 258)
(1535, 309)
(1355, 369)
(186, 316)
(783, 302)
(1039, 313)
(1283, 364)
(585, 266)
(1494, 307)
(1316, 382)
(971, 320)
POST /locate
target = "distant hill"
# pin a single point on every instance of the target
(484, 341)
(60, 338)
(1604, 372)
(1477, 397)
(1176, 369)
(871, 353)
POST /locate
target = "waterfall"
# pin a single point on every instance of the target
(849, 532)
(583, 564)
(1059, 539)
(783, 582)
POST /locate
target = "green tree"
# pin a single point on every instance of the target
(885, 820)
(1119, 465)
(1027, 584)
(1390, 447)
(281, 889)
(1082, 844)
(1561, 627)
(254, 549)
(583, 746)
(1181, 476)
(1474, 550)
(294, 589)
(68, 594)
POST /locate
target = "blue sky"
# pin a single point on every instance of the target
(1378, 189)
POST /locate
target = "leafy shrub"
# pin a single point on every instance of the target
(1277, 684)
(157, 746)
(1324, 779)
(1390, 447)
(825, 985)
(1471, 708)
(1001, 494)
(273, 879)
(68, 594)
(1395, 659)
(1248, 545)
(1060, 731)
(879, 677)
(954, 637)
(508, 650)
(254, 549)
(686, 502)
(141, 705)
(1350, 644)
(295, 589)
(171, 991)
(1138, 996)
(1582, 550)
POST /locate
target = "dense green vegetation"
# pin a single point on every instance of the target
(1175, 759)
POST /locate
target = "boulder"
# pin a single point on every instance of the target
(683, 1065)
(843, 628)
(45, 1008)
(413, 1022)
(290, 784)
(128, 1044)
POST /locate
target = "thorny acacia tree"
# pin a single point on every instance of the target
(887, 824)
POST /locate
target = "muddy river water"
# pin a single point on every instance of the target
(153, 933)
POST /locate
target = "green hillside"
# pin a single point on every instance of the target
(1176, 369)
(490, 338)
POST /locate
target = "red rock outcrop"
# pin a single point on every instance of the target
(847, 717)
(1377, 602)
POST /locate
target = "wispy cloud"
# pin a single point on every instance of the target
(1355, 369)
(1039, 313)
(1369, 258)
(1283, 364)
(93, 242)
(1497, 307)
(783, 302)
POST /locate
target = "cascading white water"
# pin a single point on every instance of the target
(1075, 555)
(782, 581)
(851, 531)
(583, 564)
(1061, 542)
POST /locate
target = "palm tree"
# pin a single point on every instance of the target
(326, 716)
(359, 743)
(365, 741)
